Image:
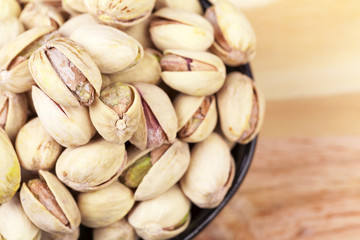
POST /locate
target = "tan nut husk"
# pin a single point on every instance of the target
(83, 75)
(118, 230)
(210, 174)
(141, 33)
(163, 116)
(113, 126)
(61, 199)
(92, 166)
(194, 81)
(162, 217)
(69, 126)
(240, 93)
(35, 147)
(75, 22)
(235, 40)
(188, 5)
(105, 206)
(197, 117)
(14, 224)
(10, 27)
(54, 3)
(14, 58)
(13, 112)
(74, 7)
(9, 8)
(61, 236)
(112, 50)
(179, 29)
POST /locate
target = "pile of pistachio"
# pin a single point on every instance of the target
(118, 114)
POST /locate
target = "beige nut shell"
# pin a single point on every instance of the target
(118, 230)
(9, 8)
(188, 5)
(75, 22)
(61, 236)
(12, 26)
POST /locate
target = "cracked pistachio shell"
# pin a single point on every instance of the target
(188, 5)
(48, 79)
(111, 49)
(162, 217)
(9, 8)
(120, 13)
(179, 29)
(75, 22)
(235, 40)
(186, 106)
(162, 109)
(108, 123)
(196, 82)
(35, 147)
(69, 126)
(240, 93)
(105, 206)
(147, 71)
(14, 107)
(166, 171)
(92, 166)
(210, 174)
(9, 169)
(14, 224)
(141, 33)
(40, 215)
(118, 230)
(15, 76)
(10, 27)
(61, 236)
(74, 7)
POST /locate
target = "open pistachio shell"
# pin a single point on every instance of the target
(14, 224)
(9, 8)
(141, 33)
(9, 169)
(92, 166)
(111, 49)
(10, 27)
(61, 236)
(159, 121)
(69, 126)
(235, 39)
(162, 217)
(49, 204)
(14, 58)
(105, 206)
(188, 5)
(179, 29)
(66, 73)
(117, 113)
(74, 7)
(197, 117)
(35, 147)
(75, 22)
(193, 72)
(210, 174)
(241, 93)
(118, 230)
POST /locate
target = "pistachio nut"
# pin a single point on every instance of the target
(118, 230)
(189, 5)
(140, 32)
(9, 8)
(9, 169)
(147, 71)
(158, 123)
(197, 117)
(10, 27)
(14, 224)
(235, 40)
(193, 72)
(13, 112)
(74, 7)
(35, 147)
(61, 236)
(162, 217)
(105, 206)
(240, 93)
(69, 126)
(49, 204)
(116, 114)
(154, 171)
(173, 28)
(92, 166)
(75, 22)
(111, 49)
(14, 58)
(66, 73)
(54, 3)
(210, 173)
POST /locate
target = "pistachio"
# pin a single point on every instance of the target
(118, 230)
(140, 32)
(54, 3)
(189, 5)
(12, 26)
(74, 7)
(76, 22)
(61, 236)
(133, 175)
(9, 8)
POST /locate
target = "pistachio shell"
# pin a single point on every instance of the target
(188, 5)
(75, 22)
(61, 236)
(69, 126)
(74, 6)
(210, 174)
(35, 147)
(10, 27)
(105, 206)
(92, 166)
(159, 217)
(140, 32)
(179, 29)
(118, 230)
(54, 3)
(111, 49)
(9, 8)
(196, 83)
(41, 216)
(9, 169)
